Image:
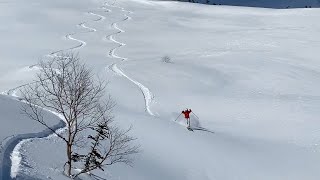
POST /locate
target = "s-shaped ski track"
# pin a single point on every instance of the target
(81, 42)
(12, 153)
(148, 96)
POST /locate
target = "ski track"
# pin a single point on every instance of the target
(148, 96)
(100, 17)
(104, 7)
(16, 143)
(81, 43)
(120, 44)
(83, 25)
(13, 91)
(3, 142)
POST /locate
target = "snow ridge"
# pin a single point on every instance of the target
(148, 96)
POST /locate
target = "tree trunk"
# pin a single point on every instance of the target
(69, 159)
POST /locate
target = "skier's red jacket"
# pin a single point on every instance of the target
(186, 113)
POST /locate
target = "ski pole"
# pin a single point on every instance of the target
(195, 115)
(178, 117)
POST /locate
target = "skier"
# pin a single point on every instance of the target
(187, 116)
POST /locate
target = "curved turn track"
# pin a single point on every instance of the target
(16, 143)
(148, 96)
(81, 44)
(12, 151)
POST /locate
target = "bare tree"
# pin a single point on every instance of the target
(66, 86)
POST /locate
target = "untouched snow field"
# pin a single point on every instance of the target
(251, 75)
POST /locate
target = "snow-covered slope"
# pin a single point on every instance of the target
(15, 127)
(250, 74)
(279, 4)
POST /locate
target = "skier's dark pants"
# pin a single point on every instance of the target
(188, 122)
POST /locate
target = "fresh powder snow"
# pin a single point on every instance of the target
(251, 76)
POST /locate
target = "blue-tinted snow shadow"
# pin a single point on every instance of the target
(5, 161)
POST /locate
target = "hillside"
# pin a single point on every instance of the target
(251, 75)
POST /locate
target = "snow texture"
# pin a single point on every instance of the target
(251, 75)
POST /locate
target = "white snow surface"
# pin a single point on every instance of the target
(251, 75)
(13, 122)
(14, 127)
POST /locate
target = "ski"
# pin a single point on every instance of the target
(189, 128)
(202, 129)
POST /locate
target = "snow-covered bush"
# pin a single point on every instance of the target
(166, 59)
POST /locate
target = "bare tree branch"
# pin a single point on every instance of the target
(66, 86)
